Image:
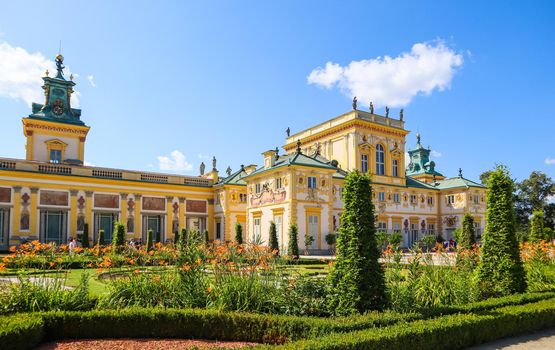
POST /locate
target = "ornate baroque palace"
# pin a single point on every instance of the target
(50, 195)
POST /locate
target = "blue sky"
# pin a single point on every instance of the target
(227, 78)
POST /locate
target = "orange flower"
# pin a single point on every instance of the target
(2, 267)
(12, 249)
(136, 271)
(210, 289)
(186, 267)
(52, 264)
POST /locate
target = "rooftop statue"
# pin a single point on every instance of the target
(288, 131)
(355, 103)
(214, 163)
(60, 66)
(228, 171)
(202, 167)
(386, 112)
(371, 107)
(401, 114)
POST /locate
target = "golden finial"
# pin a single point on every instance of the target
(47, 72)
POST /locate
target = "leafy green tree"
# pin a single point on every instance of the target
(274, 245)
(500, 271)
(293, 247)
(536, 227)
(238, 233)
(205, 237)
(119, 235)
(182, 241)
(176, 237)
(468, 233)
(484, 177)
(100, 237)
(85, 236)
(533, 194)
(429, 241)
(357, 282)
(331, 240)
(149, 236)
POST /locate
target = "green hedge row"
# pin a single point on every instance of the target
(446, 332)
(23, 331)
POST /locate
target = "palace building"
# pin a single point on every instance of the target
(50, 195)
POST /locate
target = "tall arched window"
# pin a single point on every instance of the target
(380, 160)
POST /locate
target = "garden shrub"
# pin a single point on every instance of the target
(20, 331)
(238, 233)
(500, 270)
(85, 236)
(293, 247)
(205, 237)
(119, 235)
(274, 245)
(468, 234)
(149, 237)
(357, 282)
(536, 226)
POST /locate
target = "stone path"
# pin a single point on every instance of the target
(542, 340)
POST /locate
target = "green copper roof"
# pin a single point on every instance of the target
(457, 182)
(57, 103)
(419, 184)
(298, 158)
(420, 161)
(235, 179)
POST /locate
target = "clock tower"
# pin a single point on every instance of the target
(54, 131)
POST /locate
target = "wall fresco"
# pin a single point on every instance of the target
(110, 201)
(196, 206)
(57, 198)
(154, 203)
(5, 195)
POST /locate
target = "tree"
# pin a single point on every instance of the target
(205, 237)
(274, 245)
(533, 194)
(500, 270)
(293, 247)
(85, 237)
(238, 233)
(484, 177)
(119, 235)
(182, 241)
(468, 233)
(100, 237)
(176, 237)
(536, 227)
(331, 239)
(149, 235)
(357, 282)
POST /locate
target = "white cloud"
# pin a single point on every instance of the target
(393, 81)
(90, 78)
(176, 162)
(549, 161)
(21, 72)
(436, 154)
(202, 156)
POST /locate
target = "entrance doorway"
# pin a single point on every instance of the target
(53, 226)
(4, 228)
(156, 224)
(105, 221)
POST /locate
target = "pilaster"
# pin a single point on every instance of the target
(33, 227)
(73, 213)
(89, 214)
(16, 210)
(169, 221)
(181, 213)
(123, 209)
(138, 218)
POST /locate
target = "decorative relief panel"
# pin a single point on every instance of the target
(193, 206)
(5, 195)
(268, 196)
(57, 198)
(154, 203)
(109, 201)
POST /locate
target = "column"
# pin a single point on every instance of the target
(123, 209)
(16, 211)
(138, 218)
(169, 216)
(72, 213)
(89, 216)
(33, 213)
(181, 213)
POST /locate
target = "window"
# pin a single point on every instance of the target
(256, 230)
(430, 200)
(395, 167)
(278, 183)
(478, 229)
(382, 226)
(413, 199)
(243, 197)
(312, 182)
(396, 198)
(257, 188)
(381, 196)
(476, 199)
(55, 156)
(431, 229)
(450, 199)
(218, 230)
(364, 163)
(380, 162)
(397, 227)
(278, 220)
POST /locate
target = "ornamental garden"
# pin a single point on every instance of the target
(373, 295)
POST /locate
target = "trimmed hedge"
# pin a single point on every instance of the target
(447, 332)
(24, 331)
(21, 331)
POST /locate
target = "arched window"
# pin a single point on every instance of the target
(380, 160)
